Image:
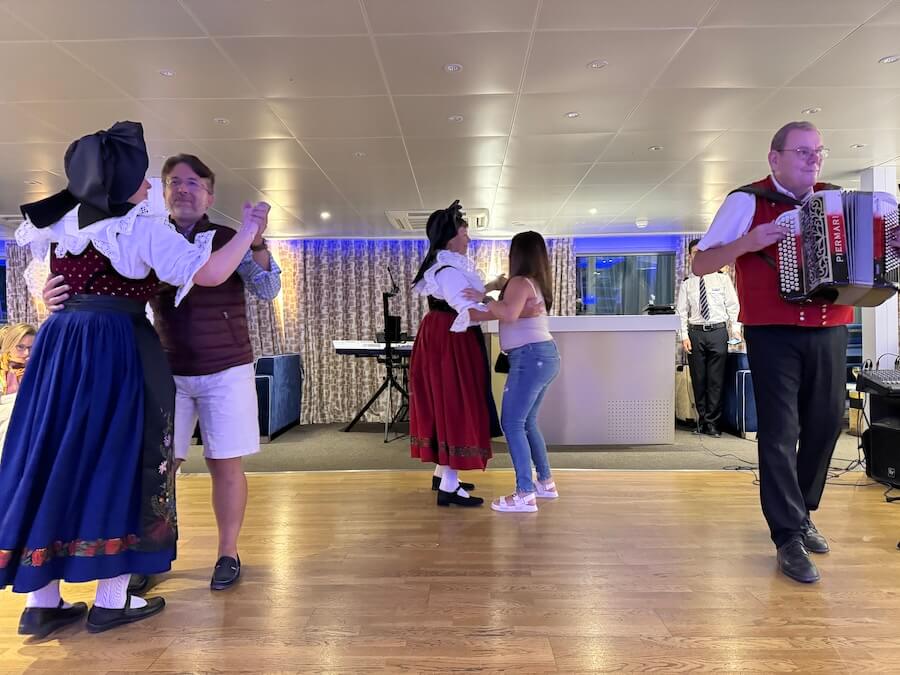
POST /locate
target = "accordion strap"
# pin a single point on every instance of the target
(778, 198)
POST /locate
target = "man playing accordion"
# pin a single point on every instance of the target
(797, 352)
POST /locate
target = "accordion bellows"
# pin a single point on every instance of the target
(836, 249)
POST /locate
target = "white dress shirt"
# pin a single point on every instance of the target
(721, 298)
(734, 217)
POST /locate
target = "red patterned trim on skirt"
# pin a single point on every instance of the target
(79, 548)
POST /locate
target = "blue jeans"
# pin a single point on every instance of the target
(532, 368)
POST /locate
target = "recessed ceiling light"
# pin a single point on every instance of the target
(893, 58)
(641, 223)
(573, 114)
(324, 215)
(811, 111)
(224, 121)
(167, 73)
(656, 148)
(593, 212)
(597, 64)
(358, 155)
(33, 182)
(858, 146)
(455, 118)
(453, 67)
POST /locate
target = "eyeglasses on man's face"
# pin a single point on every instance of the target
(191, 185)
(807, 154)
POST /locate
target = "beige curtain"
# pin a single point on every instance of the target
(562, 263)
(331, 290)
(22, 305)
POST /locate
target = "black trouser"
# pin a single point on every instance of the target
(799, 382)
(709, 350)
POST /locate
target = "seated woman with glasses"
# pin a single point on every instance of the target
(15, 348)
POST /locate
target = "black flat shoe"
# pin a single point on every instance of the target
(448, 498)
(39, 622)
(101, 619)
(226, 573)
(436, 484)
(813, 539)
(794, 562)
(138, 584)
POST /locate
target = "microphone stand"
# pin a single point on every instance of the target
(391, 361)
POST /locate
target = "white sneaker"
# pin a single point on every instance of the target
(516, 503)
(547, 491)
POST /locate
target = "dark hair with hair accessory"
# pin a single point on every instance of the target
(442, 226)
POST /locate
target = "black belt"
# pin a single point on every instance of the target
(706, 327)
(105, 303)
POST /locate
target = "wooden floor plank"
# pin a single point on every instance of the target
(627, 571)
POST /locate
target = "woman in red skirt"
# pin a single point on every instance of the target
(451, 409)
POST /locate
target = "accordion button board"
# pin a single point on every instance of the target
(836, 249)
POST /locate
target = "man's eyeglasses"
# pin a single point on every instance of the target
(807, 154)
(191, 184)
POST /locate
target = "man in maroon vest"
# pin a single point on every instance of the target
(207, 342)
(797, 352)
(208, 345)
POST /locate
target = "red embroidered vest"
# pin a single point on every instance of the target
(757, 281)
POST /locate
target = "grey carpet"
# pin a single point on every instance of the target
(324, 447)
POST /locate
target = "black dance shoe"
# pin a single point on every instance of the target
(39, 622)
(138, 584)
(101, 619)
(436, 484)
(448, 498)
(813, 539)
(226, 573)
(794, 562)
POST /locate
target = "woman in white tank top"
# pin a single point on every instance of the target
(534, 363)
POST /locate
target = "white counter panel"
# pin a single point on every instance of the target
(616, 384)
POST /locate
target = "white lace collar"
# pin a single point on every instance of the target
(69, 238)
(428, 286)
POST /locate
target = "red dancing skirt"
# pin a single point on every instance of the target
(452, 415)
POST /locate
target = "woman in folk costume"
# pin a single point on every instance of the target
(86, 480)
(452, 416)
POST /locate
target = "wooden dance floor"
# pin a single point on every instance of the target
(629, 571)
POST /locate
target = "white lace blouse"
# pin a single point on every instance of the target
(449, 284)
(135, 244)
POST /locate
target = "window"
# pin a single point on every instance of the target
(624, 284)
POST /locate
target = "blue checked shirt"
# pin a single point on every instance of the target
(264, 284)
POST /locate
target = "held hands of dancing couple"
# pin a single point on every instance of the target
(254, 222)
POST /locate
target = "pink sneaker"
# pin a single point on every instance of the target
(515, 503)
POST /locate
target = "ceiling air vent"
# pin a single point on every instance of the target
(415, 221)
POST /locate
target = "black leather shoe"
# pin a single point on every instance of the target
(101, 619)
(712, 430)
(794, 562)
(226, 573)
(812, 540)
(41, 621)
(436, 484)
(448, 498)
(138, 584)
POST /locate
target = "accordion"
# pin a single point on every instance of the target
(836, 249)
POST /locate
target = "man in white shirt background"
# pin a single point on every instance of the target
(706, 305)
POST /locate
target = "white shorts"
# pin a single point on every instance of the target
(225, 404)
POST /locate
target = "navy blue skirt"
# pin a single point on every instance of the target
(87, 485)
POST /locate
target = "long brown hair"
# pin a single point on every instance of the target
(528, 258)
